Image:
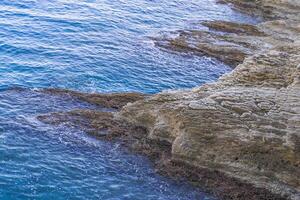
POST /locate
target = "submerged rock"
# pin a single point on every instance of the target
(96, 123)
(233, 27)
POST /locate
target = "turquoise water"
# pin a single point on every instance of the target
(90, 46)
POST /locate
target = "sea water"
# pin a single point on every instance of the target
(90, 46)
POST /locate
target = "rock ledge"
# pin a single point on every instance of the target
(239, 137)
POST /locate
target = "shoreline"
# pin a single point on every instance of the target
(238, 138)
(103, 126)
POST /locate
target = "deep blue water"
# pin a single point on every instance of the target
(91, 46)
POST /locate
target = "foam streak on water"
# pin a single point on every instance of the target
(89, 45)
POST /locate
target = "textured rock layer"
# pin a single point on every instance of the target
(246, 125)
(242, 131)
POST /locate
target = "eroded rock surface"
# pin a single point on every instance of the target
(104, 126)
(231, 42)
(269, 9)
(238, 137)
(246, 125)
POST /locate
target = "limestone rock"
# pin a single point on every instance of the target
(242, 131)
(247, 124)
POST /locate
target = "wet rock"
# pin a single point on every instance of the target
(104, 126)
(232, 27)
(227, 41)
(268, 9)
(98, 124)
(207, 44)
(114, 100)
(232, 42)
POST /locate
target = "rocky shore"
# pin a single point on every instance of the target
(238, 138)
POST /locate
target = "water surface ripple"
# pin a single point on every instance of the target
(90, 46)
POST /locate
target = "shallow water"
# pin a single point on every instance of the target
(91, 46)
(43, 162)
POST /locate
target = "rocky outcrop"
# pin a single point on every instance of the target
(231, 42)
(227, 41)
(247, 124)
(238, 137)
(268, 9)
(113, 101)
